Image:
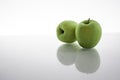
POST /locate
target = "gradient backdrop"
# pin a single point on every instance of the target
(40, 17)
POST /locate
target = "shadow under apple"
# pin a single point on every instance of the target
(85, 60)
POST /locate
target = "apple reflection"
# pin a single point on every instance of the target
(67, 53)
(85, 60)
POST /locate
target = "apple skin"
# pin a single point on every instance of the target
(88, 33)
(66, 31)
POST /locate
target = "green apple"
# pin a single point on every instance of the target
(88, 33)
(66, 31)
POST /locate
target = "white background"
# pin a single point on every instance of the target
(41, 17)
(43, 57)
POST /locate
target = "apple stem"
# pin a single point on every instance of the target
(88, 20)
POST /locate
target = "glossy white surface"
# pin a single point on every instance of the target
(46, 58)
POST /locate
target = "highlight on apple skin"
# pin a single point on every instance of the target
(88, 33)
(66, 31)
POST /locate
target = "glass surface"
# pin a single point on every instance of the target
(46, 58)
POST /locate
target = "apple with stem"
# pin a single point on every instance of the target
(88, 33)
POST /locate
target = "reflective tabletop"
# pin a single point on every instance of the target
(44, 57)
